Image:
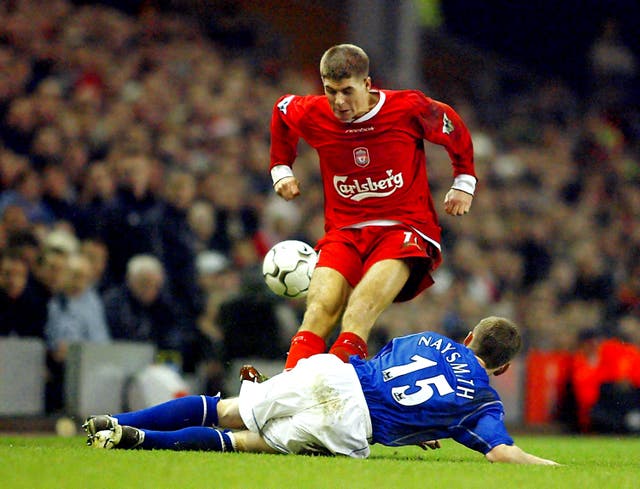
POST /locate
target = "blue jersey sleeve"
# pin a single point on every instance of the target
(487, 432)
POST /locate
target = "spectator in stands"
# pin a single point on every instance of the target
(50, 269)
(14, 220)
(605, 379)
(135, 214)
(142, 310)
(237, 318)
(28, 195)
(217, 281)
(23, 311)
(98, 254)
(58, 194)
(19, 125)
(46, 148)
(49, 279)
(533, 246)
(617, 409)
(593, 278)
(585, 376)
(12, 166)
(177, 241)
(96, 197)
(201, 216)
(75, 314)
(235, 218)
(25, 242)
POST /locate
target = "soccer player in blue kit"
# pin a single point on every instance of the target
(417, 390)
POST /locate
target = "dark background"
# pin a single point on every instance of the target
(549, 36)
(552, 37)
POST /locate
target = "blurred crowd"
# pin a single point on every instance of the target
(136, 202)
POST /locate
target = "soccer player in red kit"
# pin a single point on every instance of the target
(382, 238)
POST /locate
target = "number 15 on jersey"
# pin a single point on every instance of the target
(424, 385)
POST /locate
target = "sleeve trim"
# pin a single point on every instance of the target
(279, 172)
(465, 183)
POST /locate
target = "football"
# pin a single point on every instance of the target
(287, 268)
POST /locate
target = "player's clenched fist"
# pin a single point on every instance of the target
(287, 188)
(457, 202)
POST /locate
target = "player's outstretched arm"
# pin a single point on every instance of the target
(515, 455)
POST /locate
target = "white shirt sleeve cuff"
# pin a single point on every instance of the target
(279, 172)
(465, 183)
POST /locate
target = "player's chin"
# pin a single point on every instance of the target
(343, 116)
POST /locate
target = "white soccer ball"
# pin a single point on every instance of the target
(287, 268)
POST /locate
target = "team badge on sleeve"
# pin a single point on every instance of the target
(447, 125)
(284, 103)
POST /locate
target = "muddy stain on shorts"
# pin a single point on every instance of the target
(327, 398)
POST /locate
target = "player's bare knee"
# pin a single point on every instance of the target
(364, 308)
(229, 413)
(320, 317)
(248, 441)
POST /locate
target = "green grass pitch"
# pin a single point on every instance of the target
(34, 462)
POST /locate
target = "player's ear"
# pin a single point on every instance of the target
(468, 339)
(367, 82)
(501, 370)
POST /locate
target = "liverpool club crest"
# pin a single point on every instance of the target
(361, 156)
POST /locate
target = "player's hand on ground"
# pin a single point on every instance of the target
(288, 188)
(431, 444)
(457, 202)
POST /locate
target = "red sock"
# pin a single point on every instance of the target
(348, 344)
(303, 345)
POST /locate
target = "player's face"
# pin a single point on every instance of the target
(349, 98)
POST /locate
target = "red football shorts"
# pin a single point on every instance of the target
(353, 251)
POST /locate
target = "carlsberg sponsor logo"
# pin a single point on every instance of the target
(364, 188)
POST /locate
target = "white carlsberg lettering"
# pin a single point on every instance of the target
(362, 189)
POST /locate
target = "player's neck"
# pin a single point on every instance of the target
(374, 97)
(484, 365)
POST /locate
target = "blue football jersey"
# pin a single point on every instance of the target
(426, 387)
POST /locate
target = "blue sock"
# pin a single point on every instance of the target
(194, 438)
(174, 414)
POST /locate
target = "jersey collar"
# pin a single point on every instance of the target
(374, 111)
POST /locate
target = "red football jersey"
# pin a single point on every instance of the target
(374, 168)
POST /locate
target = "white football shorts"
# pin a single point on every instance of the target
(316, 407)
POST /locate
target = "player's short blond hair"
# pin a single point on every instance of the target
(496, 341)
(344, 61)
